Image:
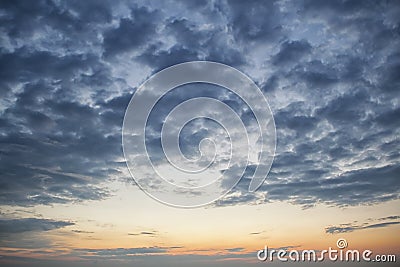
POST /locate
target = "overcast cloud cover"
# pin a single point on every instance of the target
(330, 70)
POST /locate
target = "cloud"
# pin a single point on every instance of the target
(291, 51)
(82, 232)
(255, 21)
(210, 43)
(351, 227)
(131, 32)
(145, 233)
(330, 120)
(123, 252)
(257, 233)
(235, 249)
(23, 64)
(68, 70)
(147, 256)
(165, 58)
(13, 226)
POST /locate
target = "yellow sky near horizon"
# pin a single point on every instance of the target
(119, 222)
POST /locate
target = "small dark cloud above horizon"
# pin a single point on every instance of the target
(145, 233)
(27, 226)
(370, 224)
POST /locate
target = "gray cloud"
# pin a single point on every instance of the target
(331, 81)
(235, 249)
(131, 32)
(13, 226)
(125, 251)
(291, 51)
(145, 233)
(351, 227)
(82, 232)
(122, 252)
(255, 20)
(160, 59)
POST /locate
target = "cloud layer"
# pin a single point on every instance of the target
(329, 69)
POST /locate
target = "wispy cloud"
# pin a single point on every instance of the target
(145, 233)
(82, 232)
(12, 226)
(351, 227)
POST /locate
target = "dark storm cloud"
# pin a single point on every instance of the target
(46, 150)
(255, 20)
(192, 43)
(316, 74)
(24, 64)
(24, 17)
(329, 69)
(54, 146)
(91, 11)
(212, 43)
(291, 51)
(186, 47)
(186, 33)
(352, 187)
(346, 109)
(302, 124)
(68, 24)
(131, 32)
(389, 118)
(13, 226)
(351, 227)
(351, 125)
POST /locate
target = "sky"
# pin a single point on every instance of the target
(68, 69)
